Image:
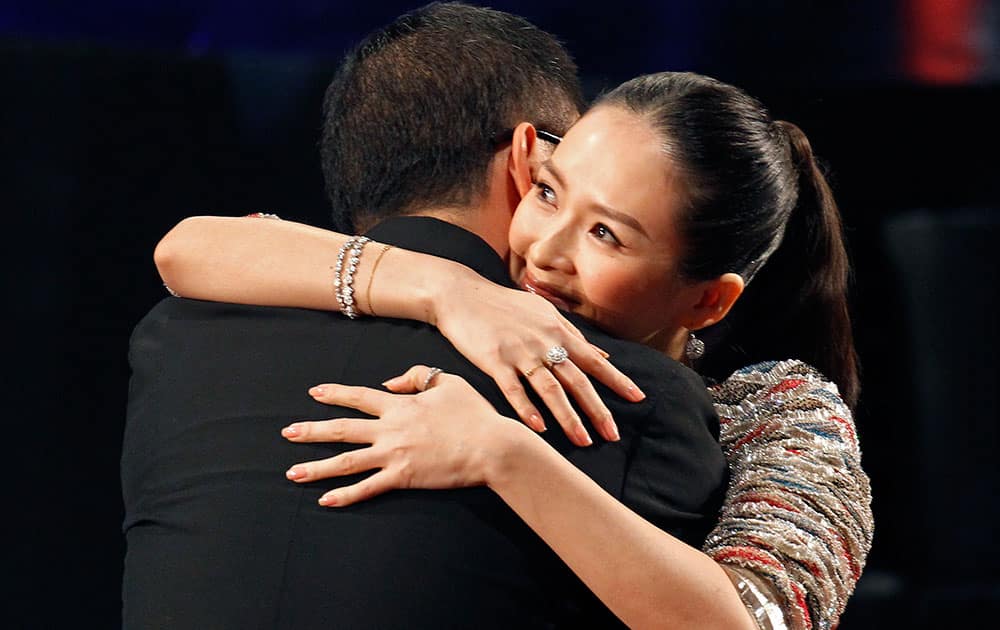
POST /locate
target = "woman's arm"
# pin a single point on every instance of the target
(502, 331)
(648, 578)
(797, 520)
(283, 263)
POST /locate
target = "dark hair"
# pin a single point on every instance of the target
(411, 116)
(755, 194)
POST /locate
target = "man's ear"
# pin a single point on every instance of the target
(520, 164)
(717, 297)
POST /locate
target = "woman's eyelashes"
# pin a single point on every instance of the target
(545, 193)
(604, 233)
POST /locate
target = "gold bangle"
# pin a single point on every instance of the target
(368, 291)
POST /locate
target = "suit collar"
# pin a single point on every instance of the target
(440, 238)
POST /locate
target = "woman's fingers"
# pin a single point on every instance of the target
(569, 326)
(364, 399)
(591, 362)
(416, 379)
(554, 396)
(513, 390)
(350, 430)
(577, 383)
(348, 463)
(379, 483)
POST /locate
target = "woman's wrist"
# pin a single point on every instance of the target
(407, 285)
(512, 445)
(452, 283)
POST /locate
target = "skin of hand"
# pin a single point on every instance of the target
(448, 436)
(504, 332)
(507, 332)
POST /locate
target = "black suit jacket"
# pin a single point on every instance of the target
(218, 538)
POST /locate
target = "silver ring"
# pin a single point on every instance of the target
(555, 356)
(430, 377)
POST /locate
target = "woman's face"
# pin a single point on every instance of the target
(597, 233)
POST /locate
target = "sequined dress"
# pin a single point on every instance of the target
(796, 526)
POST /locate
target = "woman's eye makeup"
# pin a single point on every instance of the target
(545, 192)
(604, 233)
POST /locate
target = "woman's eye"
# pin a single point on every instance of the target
(545, 193)
(602, 232)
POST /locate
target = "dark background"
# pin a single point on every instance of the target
(119, 118)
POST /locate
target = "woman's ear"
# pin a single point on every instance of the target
(717, 297)
(521, 163)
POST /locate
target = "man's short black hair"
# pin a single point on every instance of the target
(412, 115)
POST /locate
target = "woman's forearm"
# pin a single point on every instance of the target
(647, 577)
(283, 263)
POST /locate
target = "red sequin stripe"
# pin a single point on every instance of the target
(757, 543)
(813, 568)
(845, 424)
(747, 553)
(785, 385)
(753, 497)
(846, 554)
(800, 601)
(750, 436)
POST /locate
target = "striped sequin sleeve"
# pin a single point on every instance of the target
(796, 525)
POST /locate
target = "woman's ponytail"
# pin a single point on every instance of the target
(797, 306)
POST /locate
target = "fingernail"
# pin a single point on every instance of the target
(392, 382)
(316, 391)
(294, 473)
(603, 353)
(613, 429)
(582, 435)
(635, 393)
(290, 431)
(536, 421)
(328, 500)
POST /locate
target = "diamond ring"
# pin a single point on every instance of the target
(555, 356)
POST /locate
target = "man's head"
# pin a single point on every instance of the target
(415, 114)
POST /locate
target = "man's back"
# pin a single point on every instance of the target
(217, 537)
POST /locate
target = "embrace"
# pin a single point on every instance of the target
(581, 367)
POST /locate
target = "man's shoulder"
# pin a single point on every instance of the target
(175, 311)
(178, 308)
(176, 323)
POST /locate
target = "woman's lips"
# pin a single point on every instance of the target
(529, 283)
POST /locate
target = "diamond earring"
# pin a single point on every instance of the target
(694, 348)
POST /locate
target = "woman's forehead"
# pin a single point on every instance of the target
(613, 158)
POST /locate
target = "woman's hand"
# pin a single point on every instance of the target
(507, 333)
(448, 436)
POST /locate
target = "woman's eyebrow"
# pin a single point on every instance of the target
(621, 217)
(547, 165)
(615, 215)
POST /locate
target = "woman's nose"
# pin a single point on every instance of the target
(554, 249)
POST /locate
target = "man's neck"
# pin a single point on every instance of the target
(476, 219)
(489, 216)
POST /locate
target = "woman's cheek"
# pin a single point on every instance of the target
(609, 286)
(523, 225)
(515, 266)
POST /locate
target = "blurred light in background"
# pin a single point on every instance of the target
(935, 41)
(951, 42)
